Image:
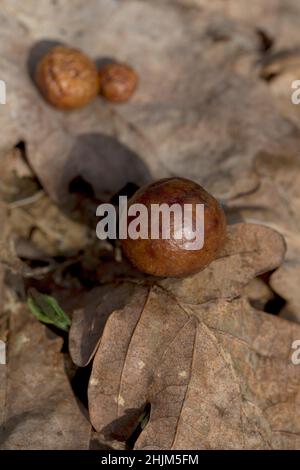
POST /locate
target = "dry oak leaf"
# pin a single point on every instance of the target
(205, 391)
(40, 410)
(217, 372)
(88, 322)
(276, 203)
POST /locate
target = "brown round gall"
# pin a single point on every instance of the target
(170, 257)
(67, 78)
(118, 82)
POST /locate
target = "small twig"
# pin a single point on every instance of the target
(26, 201)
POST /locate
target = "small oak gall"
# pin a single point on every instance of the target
(169, 257)
(67, 78)
(117, 82)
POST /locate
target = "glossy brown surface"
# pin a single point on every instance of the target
(169, 257)
(117, 82)
(67, 78)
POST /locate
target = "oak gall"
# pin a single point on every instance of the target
(118, 82)
(67, 78)
(170, 257)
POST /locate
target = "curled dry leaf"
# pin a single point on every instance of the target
(40, 410)
(217, 372)
(88, 322)
(258, 293)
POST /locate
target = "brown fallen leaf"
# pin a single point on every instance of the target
(212, 374)
(276, 203)
(250, 250)
(40, 410)
(212, 367)
(215, 388)
(88, 322)
(132, 346)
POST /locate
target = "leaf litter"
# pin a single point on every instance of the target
(193, 363)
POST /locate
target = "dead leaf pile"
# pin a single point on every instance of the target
(204, 109)
(201, 353)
